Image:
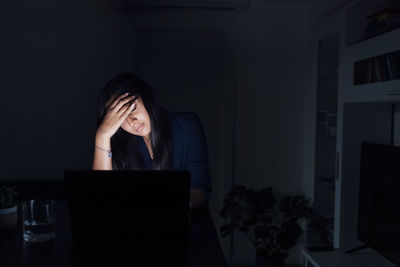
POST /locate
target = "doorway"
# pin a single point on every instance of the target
(186, 69)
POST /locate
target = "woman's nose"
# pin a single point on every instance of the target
(131, 119)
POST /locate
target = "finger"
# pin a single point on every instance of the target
(128, 107)
(124, 114)
(115, 100)
(123, 102)
(110, 101)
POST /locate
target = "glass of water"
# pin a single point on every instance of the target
(38, 220)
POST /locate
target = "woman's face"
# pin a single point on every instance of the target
(138, 121)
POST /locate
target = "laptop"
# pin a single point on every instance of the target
(129, 218)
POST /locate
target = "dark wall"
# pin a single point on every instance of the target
(55, 57)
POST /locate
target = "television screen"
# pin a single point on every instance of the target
(379, 197)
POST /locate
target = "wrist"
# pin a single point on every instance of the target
(103, 141)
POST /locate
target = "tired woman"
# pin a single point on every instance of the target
(136, 133)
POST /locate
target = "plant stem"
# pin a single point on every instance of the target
(252, 239)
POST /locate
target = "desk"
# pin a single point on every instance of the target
(204, 246)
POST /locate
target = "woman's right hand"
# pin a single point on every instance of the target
(118, 109)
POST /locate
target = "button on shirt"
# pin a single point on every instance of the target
(189, 150)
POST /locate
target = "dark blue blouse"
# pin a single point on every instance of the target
(189, 150)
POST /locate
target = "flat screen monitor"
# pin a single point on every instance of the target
(379, 197)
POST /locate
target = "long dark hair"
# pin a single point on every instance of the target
(126, 155)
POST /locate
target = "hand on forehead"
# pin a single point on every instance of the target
(118, 97)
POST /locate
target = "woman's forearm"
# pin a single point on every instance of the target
(101, 159)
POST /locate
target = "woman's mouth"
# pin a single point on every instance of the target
(138, 129)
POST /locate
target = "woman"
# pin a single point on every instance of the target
(135, 133)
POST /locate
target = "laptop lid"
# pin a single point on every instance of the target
(129, 217)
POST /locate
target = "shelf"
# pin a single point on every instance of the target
(382, 44)
(327, 181)
(365, 258)
(320, 134)
(357, 19)
(368, 92)
(373, 71)
(387, 91)
(326, 129)
(336, 153)
(380, 68)
(327, 122)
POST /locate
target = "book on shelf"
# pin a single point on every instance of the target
(383, 20)
(374, 29)
(377, 69)
(391, 8)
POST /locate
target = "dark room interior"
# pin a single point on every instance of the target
(286, 92)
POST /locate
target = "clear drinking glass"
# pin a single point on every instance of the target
(38, 220)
